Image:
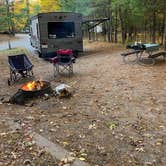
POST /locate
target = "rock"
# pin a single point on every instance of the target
(52, 130)
(46, 96)
(41, 130)
(64, 108)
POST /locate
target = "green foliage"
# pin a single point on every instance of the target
(3, 19)
(127, 16)
(79, 6)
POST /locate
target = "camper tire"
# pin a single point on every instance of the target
(75, 54)
(39, 54)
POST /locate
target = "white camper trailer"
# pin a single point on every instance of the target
(56, 30)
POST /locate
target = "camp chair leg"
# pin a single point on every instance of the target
(30, 73)
(56, 69)
(12, 77)
(71, 69)
(68, 68)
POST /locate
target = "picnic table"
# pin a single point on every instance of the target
(144, 54)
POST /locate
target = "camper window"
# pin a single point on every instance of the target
(61, 30)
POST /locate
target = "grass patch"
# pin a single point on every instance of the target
(14, 51)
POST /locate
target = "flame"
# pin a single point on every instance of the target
(34, 85)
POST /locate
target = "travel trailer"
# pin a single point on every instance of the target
(56, 30)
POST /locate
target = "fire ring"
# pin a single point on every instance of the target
(36, 86)
(30, 90)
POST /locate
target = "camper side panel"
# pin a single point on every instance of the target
(35, 33)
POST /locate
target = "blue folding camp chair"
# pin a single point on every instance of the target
(20, 66)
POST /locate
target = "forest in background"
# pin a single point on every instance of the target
(129, 20)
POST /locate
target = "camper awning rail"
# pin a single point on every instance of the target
(91, 23)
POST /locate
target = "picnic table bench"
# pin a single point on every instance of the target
(130, 53)
(138, 53)
(158, 54)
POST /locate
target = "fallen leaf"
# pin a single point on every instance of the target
(82, 158)
(51, 122)
(83, 154)
(112, 126)
(92, 126)
(65, 143)
(140, 149)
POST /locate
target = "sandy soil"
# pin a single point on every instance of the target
(116, 116)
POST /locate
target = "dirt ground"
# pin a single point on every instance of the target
(116, 116)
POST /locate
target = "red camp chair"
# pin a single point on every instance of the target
(63, 62)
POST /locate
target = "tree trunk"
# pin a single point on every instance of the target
(150, 32)
(105, 26)
(165, 36)
(162, 29)
(28, 12)
(12, 21)
(89, 35)
(130, 34)
(154, 28)
(94, 29)
(116, 25)
(145, 30)
(109, 28)
(105, 32)
(122, 26)
(8, 15)
(109, 15)
(135, 33)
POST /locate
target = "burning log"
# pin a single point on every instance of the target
(31, 90)
(33, 86)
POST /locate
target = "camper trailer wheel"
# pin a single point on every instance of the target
(39, 54)
(75, 54)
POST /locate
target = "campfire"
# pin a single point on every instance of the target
(31, 90)
(33, 86)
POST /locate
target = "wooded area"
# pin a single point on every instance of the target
(92, 100)
(129, 20)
